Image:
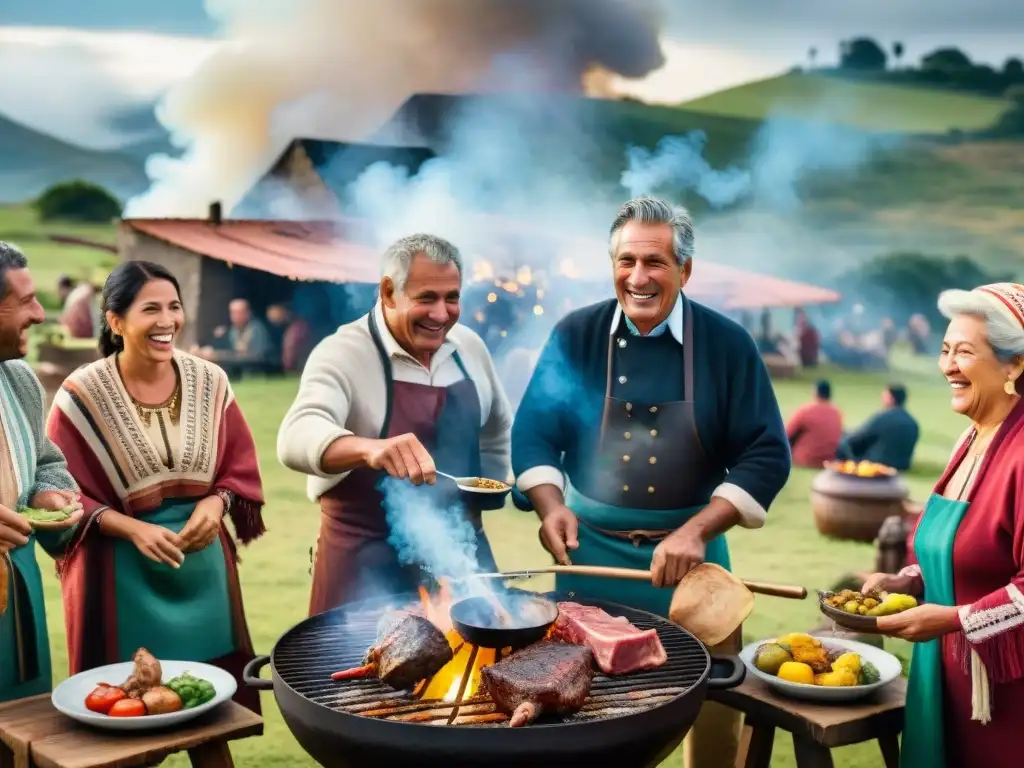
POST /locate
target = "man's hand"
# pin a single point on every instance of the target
(675, 556)
(58, 500)
(558, 531)
(203, 525)
(920, 624)
(402, 457)
(14, 530)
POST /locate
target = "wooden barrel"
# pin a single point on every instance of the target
(854, 508)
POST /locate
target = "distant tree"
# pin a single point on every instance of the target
(812, 55)
(904, 283)
(1011, 123)
(897, 52)
(951, 60)
(862, 54)
(1013, 70)
(77, 201)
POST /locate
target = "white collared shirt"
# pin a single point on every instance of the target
(674, 321)
(751, 512)
(343, 392)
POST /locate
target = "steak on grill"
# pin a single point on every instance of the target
(619, 647)
(543, 677)
(408, 649)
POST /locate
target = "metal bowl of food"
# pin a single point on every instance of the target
(481, 493)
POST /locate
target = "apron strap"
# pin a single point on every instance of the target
(608, 386)
(389, 379)
(458, 361)
(687, 349)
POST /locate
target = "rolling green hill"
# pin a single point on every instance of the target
(31, 160)
(865, 105)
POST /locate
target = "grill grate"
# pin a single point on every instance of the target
(306, 658)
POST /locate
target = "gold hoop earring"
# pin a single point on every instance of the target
(1010, 387)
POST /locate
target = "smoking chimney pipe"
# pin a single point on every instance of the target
(216, 215)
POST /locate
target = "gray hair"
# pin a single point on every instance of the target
(653, 210)
(397, 259)
(10, 258)
(1005, 336)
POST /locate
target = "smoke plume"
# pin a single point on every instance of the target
(338, 68)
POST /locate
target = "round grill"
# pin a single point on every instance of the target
(306, 657)
(631, 720)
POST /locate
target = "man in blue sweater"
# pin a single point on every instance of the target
(648, 429)
(889, 437)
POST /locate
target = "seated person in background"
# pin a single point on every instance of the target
(81, 312)
(65, 285)
(889, 437)
(815, 429)
(250, 347)
(292, 337)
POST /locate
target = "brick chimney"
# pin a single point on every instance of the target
(216, 213)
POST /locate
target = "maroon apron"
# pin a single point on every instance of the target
(354, 560)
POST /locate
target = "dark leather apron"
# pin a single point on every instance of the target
(354, 560)
(650, 453)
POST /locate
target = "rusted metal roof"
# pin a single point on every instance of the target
(296, 250)
(339, 252)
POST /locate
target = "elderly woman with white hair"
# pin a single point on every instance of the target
(965, 701)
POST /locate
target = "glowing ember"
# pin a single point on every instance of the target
(459, 679)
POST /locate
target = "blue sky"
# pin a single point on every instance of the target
(67, 64)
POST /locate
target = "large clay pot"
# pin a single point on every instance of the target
(852, 507)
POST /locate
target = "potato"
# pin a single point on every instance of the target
(161, 700)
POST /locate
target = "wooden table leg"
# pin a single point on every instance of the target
(890, 746)
(759, 750)
(810, 754)
(213, 754)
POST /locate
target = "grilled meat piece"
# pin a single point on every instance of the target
(146, 674)
(409, 649)
(619, 647)
(543, 677)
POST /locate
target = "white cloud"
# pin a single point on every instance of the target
(66, 81)
(694, 69)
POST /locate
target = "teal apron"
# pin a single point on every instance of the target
(653, 470)
(923, 742)
(175, 613)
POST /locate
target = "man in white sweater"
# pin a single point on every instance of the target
(403, 391)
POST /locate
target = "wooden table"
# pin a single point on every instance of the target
(816, 728)
(35, 735)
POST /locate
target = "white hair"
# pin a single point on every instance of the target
(1004, 335)
(652, 210)
(397, 259)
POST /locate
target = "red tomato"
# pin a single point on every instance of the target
(103, 698)
(127, 708)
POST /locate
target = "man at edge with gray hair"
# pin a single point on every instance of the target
(403, 391)
(33, 473)
(649, 429)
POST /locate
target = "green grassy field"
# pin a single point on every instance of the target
(864, 105)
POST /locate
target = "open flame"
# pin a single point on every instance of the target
(460, 678)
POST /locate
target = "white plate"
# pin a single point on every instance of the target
(888, 666)
(69, 696)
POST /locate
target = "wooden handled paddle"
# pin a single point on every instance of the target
(709, 602)
(634, 574)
